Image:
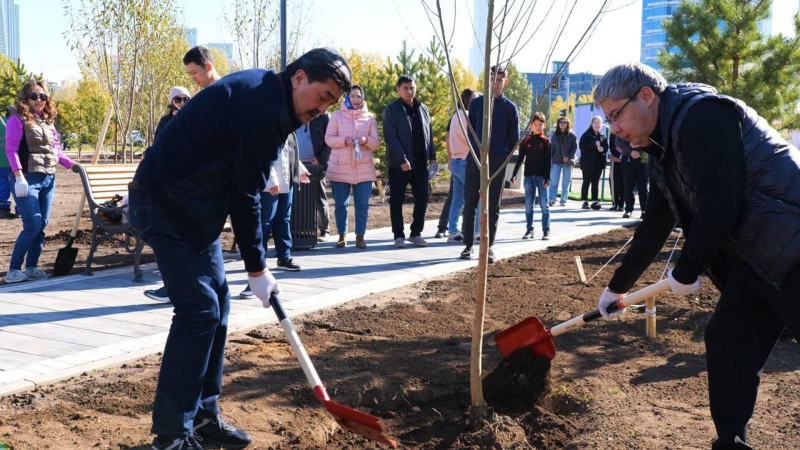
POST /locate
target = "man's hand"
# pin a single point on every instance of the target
(304, 178)
(263, 286)
(565, 160)
(406, 167)
(607, 299)
(274, 190)
(546, 184)
(513, 180)
(683, 289)
(315, 162)
(635, 154)
(21, 186)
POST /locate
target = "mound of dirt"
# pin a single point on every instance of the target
(502, 434)
(519, 382)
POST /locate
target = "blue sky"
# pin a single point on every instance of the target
(367, 25)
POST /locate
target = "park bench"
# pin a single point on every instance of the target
(100, 184)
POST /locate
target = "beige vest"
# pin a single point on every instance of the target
(40, 139)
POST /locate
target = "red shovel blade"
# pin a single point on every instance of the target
(529, 333)
(354, 420)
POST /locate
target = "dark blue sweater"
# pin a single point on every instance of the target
(505, 125)
(213, 158)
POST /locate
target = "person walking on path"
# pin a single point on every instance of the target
(616, 170)
(212, 161)
(352, 135)
(564, 143)
(593, 145)
(457, 153)
(315, 152)
(408, 133)
(731, 183)
(504, 137)
(535, 152)
(33, 150)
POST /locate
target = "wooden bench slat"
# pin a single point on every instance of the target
(110, 168)
(110, 182)
(113, 188)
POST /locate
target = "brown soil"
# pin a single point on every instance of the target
(403, 355)
(111, 254)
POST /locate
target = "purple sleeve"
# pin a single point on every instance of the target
(13, 138)
(63, 159)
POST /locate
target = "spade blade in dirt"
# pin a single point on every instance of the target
(532, 334)
(348, 418)
(65, 259)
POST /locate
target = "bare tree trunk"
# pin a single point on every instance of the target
(478, 404)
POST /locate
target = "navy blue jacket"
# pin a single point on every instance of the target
(505, 125)
(213, 158)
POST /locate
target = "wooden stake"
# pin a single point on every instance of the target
(581, 273)
(650, 318)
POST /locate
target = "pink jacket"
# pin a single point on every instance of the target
(351, 123)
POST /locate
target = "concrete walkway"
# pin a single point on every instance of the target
(58, 328)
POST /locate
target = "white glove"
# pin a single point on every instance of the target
(683, 289)
(607, 299)
(21, 186)
(263, 286)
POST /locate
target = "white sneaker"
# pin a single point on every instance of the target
(324, 237)
(16, 276)
(528, 235)
(35, 273)
(455, 237)
(246, 293)
(400, 243)
(418, 241)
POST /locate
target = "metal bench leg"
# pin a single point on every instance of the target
(90, 258)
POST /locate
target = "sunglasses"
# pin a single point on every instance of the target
(180, 99)
(34, 96)
(562, 122)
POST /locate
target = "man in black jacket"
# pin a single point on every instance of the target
(315, 152)
(211, 161)
(408, 133)
(733, 184)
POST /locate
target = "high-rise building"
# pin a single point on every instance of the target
(479, 15)
(191, 37)
(9, 29)
(224, 47)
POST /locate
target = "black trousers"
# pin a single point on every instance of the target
(444, 217)
(472, 186)
(635, 175)
(591, 178)
(618, 188)
(398, 180)
(740, 336)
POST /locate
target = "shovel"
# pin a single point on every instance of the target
(67, 255)
(531, 333)
(348, 418)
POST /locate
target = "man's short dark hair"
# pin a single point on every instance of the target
(198, 55)
(538, 115)
(321, 65)
(501, 70)
(404, 79)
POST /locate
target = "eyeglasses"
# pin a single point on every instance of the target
(614, 116)
(34, 96)
(180, 99)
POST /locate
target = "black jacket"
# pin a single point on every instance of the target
(535, 151)
(318, 126)
(590, 157)
(162, 123)
(213, 159)
(398, 137)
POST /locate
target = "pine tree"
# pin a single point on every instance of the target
(720, 44)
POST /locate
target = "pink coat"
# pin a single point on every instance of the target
(351, 123)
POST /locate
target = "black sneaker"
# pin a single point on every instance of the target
(596, 206)
(7, 214)
(546, 236)
(171, 443)
(159, 295)
(289, 265)
(467, 253)
(627, 215)
(585, 205)
(216, 431)
(491, 256)
(246, 293)
(440, 234)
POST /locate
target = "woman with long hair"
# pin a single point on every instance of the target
(34, 150)
(564, 143)
(594, 146)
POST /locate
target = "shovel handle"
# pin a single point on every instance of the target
(299, 350)
(638, 296)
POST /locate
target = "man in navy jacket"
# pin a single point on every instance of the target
(212, 160)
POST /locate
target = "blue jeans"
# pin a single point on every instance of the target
(35, 212)
(555, 176)
(190, 381)
(341, 197)
(457, 169)
(276, 212)
(5, 188)
(533, 184)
